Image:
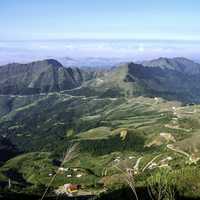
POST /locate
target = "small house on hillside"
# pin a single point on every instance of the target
(71, 189)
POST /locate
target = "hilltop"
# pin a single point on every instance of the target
(38, 77)
(179, 64)
(132, 79)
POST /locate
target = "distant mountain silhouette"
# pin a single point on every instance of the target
(179, 64)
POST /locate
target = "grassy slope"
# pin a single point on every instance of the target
(97, 125)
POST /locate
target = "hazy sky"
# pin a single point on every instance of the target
(56, 19)
(132, 29)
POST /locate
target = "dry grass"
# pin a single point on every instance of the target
(131, 170)
(128, 174)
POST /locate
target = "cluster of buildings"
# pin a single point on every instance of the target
(71, 173)
(69, 189)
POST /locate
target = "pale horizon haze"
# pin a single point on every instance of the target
(128, 29)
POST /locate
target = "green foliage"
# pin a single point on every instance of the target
(161, 186)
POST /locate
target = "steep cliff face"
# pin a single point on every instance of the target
(38, 77)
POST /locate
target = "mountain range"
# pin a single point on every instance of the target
(126, 112)
(91, 62)
(29, 91)
(173, 79)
